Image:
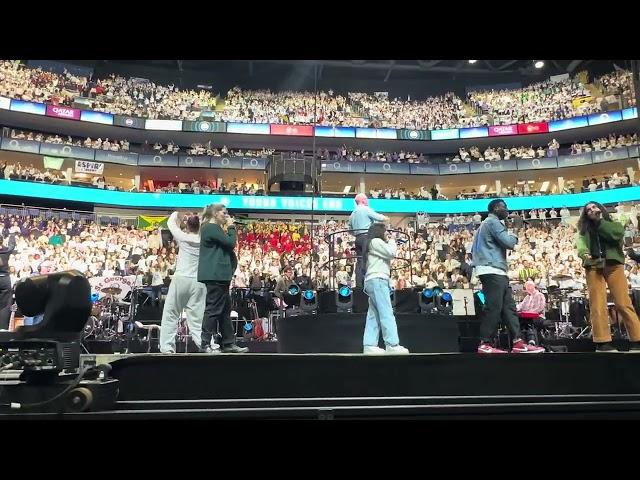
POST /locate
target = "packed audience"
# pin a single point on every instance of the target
(543, 101)
(99, 144)
(619, 83)
(540, 102)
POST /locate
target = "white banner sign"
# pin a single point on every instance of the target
(84, 166)
(123, 284)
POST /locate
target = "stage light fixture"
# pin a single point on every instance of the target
(309, 301)
(472, 61)
(344, 299)
(538, 64)
(426, 300)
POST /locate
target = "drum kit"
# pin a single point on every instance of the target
(110, 316)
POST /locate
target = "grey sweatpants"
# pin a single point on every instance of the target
(188, 294)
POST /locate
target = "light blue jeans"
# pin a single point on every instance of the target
(380, 314)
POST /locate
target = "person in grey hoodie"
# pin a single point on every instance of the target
(379, 252)
(185, 292)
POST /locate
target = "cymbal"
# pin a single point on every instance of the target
(562, 276)
(111, 290)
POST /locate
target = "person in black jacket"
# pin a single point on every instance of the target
(6, 292)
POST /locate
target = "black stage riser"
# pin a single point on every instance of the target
(342, 333)
(249, 376)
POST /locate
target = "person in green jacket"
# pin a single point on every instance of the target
(216, 265)
(599, 245)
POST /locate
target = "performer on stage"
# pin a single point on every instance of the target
(360, 220)
(599, 245)
(378, 253)
(489, 253)
(6, 292)
(185, 292)
(217, 263)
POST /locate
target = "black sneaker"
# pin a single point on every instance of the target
(606, 348)
(634, 347)
(234, 349)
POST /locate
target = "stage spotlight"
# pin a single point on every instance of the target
(344, 299)
(446, 303)
(426, 301)
(538, 64)
(293, 295)
(309, 301)
(472, 61)
(294, 290)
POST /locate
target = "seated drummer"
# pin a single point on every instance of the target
(534, 302)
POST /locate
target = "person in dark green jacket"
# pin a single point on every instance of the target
(216, 266)
(599, 245)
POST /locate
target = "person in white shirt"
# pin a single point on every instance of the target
(380, 251)
(185, 292)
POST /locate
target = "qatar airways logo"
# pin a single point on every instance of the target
(505, 129)
(63, 112)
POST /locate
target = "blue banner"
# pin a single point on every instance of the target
(388, 133)
(15, 145)
(501, 166)
(28, 107)
(249, 128)
(629, 113)
(386, 167)
(226, 162)
(574, 160)
(254, 163)
(454, 168)
(158, 160)
(609, 155)
(337, 132)
(302, 204)
(346, 167)
(537, 163)
(122, 158)
(424, 169)
(449, 134)
(474, 132)
(195, 161)
(69, 151)
(576, 122)
(605, 117)
(96, 117)
(344, 132)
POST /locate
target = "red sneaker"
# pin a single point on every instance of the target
(487, 348)
(521, 347)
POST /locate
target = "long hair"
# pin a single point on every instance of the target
(376, 230)
(584, 222)
(208, 213)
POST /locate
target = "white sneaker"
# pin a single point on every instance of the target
(371, 350)
(396, 350)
